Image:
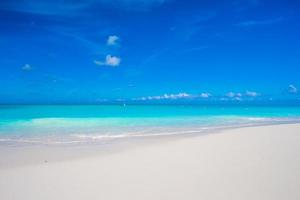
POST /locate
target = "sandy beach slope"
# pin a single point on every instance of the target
(257, 163)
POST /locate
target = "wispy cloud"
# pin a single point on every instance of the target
(110, 60)
(205, 95)
(250, 23)
(238, 95)
(182, 95)
(199, 48)
(112, 40)
(134, 5)
(236, 98)
(46, 7)
(241, 5)
(187, 30)
(252, 94)
(292, 89)
(81, 36)
(27, 67)
(69, 8)
(165, 96)
(230, 94)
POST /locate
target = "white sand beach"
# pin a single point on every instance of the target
(256, 163)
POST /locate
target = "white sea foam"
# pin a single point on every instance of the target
(72, 131)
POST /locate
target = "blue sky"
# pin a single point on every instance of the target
(96, 51)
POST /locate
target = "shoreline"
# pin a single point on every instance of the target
(244, 163)
(18, 155)
(97, 139)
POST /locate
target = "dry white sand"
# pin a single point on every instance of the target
(258, 163)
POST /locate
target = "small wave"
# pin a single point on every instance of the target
(257, 118)
(5, 140)
(76, 135)
(127, 135)
(97, 137)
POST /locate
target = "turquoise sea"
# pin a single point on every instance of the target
(61, 124)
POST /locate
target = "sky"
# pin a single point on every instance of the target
(97, 51)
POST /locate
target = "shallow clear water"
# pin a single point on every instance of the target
(85, 123)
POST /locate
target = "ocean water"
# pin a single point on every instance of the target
(59, 124)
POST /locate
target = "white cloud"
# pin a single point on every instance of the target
(110, 60)
(292, 89)
(230, 94)
(238, 98)
(251, 94)
(205, 95)
(112, 40)
(27, 67)
(165, 96)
